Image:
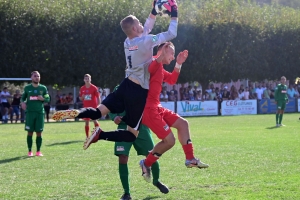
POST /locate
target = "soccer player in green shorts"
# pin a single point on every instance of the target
(281, 99)
(32, 101)
(143, 144)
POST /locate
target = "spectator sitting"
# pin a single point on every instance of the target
(172, 96)
(69, 98)
(242, 88)
(185, 95)
(206, 96)
(163, 96)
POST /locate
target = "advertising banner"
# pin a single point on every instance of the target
(197, 108)
(268, 106)
(298, 105)
(239, 107)
(169, 105)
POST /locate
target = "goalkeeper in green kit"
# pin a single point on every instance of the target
(281, 99)
(143, 144)
(32, 101)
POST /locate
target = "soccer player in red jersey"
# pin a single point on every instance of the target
(90, 97)
(160, 119)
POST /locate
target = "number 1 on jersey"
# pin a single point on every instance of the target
(129, 61)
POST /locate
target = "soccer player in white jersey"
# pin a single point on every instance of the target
(132, 92)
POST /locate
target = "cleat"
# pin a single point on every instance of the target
(281, 125)
(65, 114)
(195, 163)
(125, 197)
(93, 138)
(30, 154)
(277, 125)
(38, 153)
(163, 188)
(146, 171)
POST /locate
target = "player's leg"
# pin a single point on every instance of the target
(29, 127)
(39, 127)
(96, 123)
(87, 126)
(283, 105)
(123, 99)
(184, 138)
(143, 144)
(122, 150)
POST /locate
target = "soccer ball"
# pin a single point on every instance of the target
(161, 8)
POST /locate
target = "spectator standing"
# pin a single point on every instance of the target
(225, 94)
(15, 106)
(213, 94)
(198, 96)
(174, 91)
(259, 92)
(172, 96)
(296, 91)
(291, 92)
(251, 94)
(164, 96)
(246, 93)
(241, 95)
(47, 106)
(5, 95)
(234, 95)
(267, 93)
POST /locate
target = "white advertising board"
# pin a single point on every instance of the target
(197, 108)
(239, 107)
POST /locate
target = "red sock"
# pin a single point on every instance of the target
(96, 124)
(188, 151)
(87, 129)
(150, 159)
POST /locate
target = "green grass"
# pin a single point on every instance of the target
(248, 157)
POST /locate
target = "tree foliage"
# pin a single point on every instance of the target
(226, 39)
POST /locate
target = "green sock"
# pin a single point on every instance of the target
(29, 142)
(280, 118)
(277, 115)
(38, 143)
(124, 176)
(155, 172)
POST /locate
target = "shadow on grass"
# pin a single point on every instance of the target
(66, 143)
(8, 160)
(272, 127)
(149, 198)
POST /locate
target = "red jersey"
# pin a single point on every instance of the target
(90, 95)
(157, 76)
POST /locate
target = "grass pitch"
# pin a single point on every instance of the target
(249, 159)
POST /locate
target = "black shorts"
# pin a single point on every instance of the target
(5, 105)
(129, 97)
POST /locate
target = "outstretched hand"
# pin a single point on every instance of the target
(182, 56)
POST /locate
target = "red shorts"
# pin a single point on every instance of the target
(159, 120)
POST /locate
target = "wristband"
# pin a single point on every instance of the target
(178, 66)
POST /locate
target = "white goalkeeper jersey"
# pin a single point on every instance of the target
(139, 50)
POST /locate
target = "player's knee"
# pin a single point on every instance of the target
(170, 140)
(123, 159)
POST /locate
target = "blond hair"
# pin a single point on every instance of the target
(127, 23)
(87, 75)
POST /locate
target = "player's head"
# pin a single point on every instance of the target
(169, 52)
(159, 47)
(87, 78)
(282, 80)
(131, 26)
(35, 77)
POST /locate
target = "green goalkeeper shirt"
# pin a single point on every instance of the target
(30, 97)
(281, 93)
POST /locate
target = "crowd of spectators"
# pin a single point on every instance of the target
(257, 91)
(10, 103)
